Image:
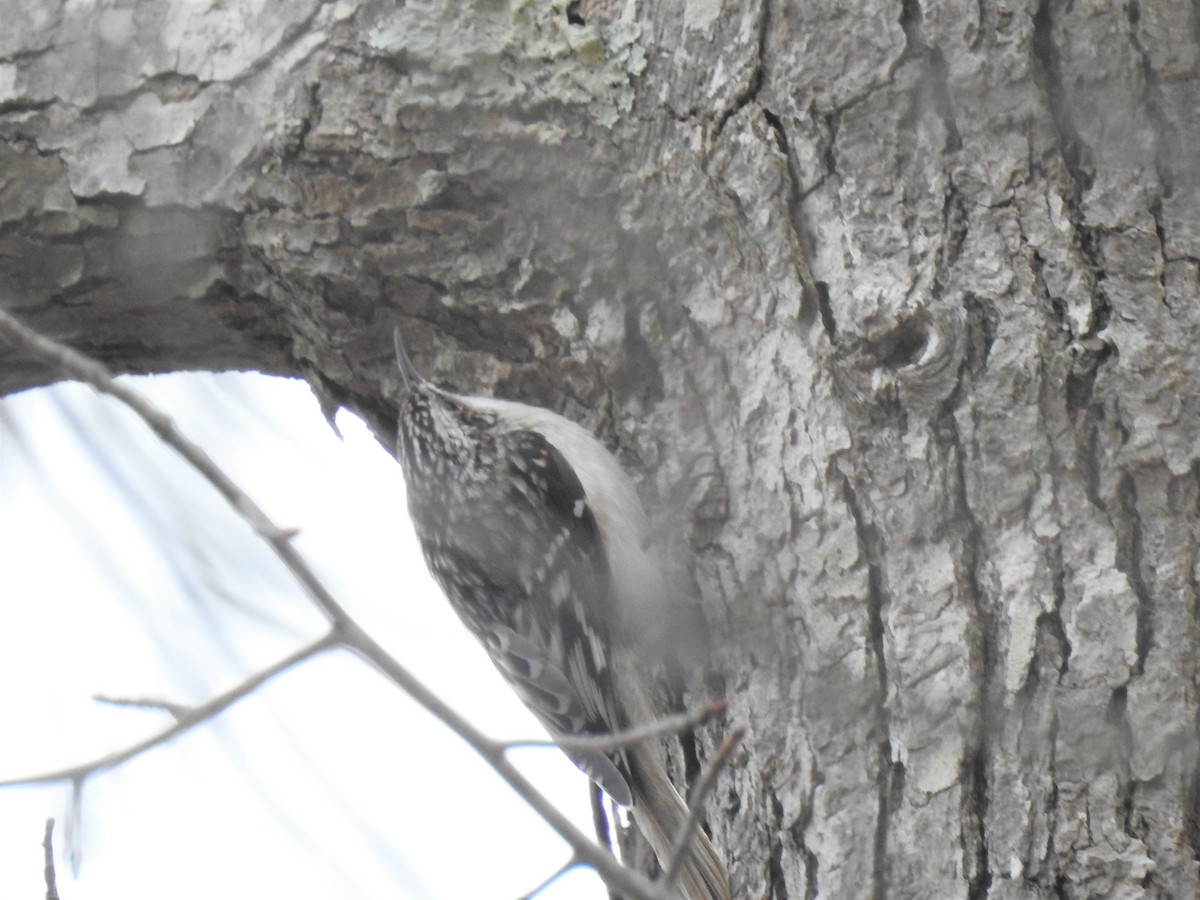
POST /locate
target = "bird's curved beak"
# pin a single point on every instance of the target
(412, 378)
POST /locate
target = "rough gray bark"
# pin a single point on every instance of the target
(924, 277)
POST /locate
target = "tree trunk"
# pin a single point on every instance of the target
(921, 278)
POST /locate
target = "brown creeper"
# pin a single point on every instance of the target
(540, 542)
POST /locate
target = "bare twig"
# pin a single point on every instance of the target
(190, 719)
(626, 880)
(86, 369)
(177, 710)
(558, 873)
(48, 854)
(344, 630)
(617, 740)
(683, 840)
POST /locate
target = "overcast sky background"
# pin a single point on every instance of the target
(122, 573)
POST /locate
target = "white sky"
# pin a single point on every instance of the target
(122, 573)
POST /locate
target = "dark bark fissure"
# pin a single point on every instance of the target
(1191, 795)
(911, 17)
(954, 229)
(816, 298)
(748, 94)
(1128, 527)
(1087, 460)
(981, 335)
(1052, 654)
(1152, 104)
(1118, 703)
(294, 147)
(1156, 213)
(811, 863)
(1047, 71)
(1080, 166)
(1053, 621)
(916, 47)
(1124, 519)
(825, 310)
(22, 105)
(978, 761)
(1079, 385)
(832, 124)
(868, 542)
(778, 882)
(1191, 792)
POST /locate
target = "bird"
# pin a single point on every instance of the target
(541, 544)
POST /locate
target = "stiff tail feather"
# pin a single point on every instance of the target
(660, 812)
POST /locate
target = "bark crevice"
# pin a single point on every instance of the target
(1047, 68)
(1130, 560)
(976, 794)
(868, 542)
(813, 294)
(750, 91)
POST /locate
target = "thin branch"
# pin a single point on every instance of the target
(683, 840)
(617, 740)
(86, 369)
(48, 855)
(190, 719)
(177, 710)
(614, 873)
(558, 873)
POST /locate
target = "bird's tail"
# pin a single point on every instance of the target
(660, 813)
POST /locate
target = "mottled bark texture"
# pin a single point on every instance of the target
(922, 276)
